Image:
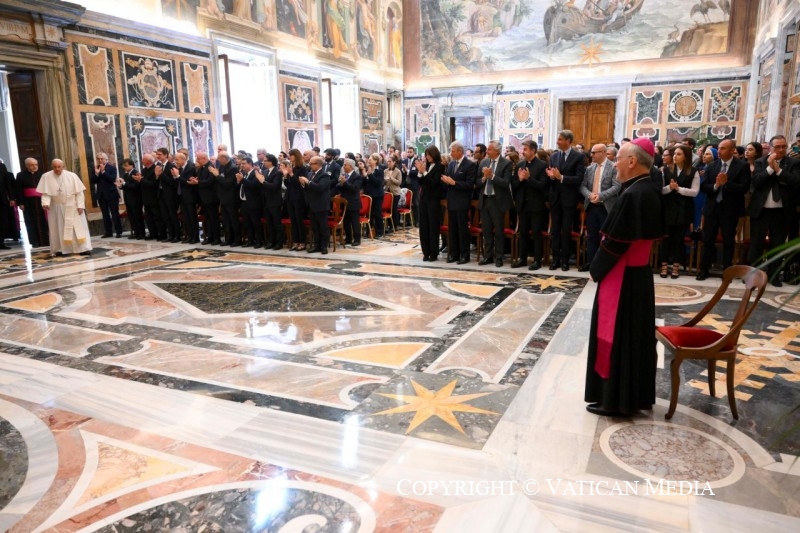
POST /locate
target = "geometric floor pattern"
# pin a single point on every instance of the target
(155, 386)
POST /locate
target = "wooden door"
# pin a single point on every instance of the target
(592, 121)
(468, 130)
(27, 118)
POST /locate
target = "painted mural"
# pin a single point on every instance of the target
(462, 37)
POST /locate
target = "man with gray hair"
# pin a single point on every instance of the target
(63, 198)
(494, 201)
(104, 178)
(600, 188)
(566, 174)
(459, 181)
(31, 204)
(621, 365)
(349, 186)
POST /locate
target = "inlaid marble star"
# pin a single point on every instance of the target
(441, 404)
(546, 283)
(195, 254)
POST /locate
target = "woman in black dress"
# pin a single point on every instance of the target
(430, 194)
(681, 185)
(295, 200)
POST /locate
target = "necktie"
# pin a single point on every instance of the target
(723, 170)
(561, 159)
(776, 188)
(489, 184)
(598, 174)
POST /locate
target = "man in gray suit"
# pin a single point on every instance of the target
(494, 201)
(600, 189)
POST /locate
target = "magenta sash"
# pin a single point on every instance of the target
(638, 254)
(30, 192)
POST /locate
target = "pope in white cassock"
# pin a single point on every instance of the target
(63, 200)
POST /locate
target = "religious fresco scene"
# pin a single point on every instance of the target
(483, 36)
(222, 387)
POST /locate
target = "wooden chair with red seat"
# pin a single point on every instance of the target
(405, 212)
(363, 216)
(386, 210)
(444, 227)
(579, 237)
(691, 342)
(336, 220)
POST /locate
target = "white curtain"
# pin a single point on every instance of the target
(346, 117)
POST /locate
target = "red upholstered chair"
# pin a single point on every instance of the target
(475, 229)
(405, 212)
(692, 342)
(363, 215)
(336, 220)
(386, 210)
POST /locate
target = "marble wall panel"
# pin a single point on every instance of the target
(685, 105)
(94, 75)
(371, 144)
(301, 138)
(725, 103)
(520, 116)
(648, 106)
(149, 81)
(299, 103)
(102, 134)
(195, 88)
(199, 135)
(146, 134)
(371, 113)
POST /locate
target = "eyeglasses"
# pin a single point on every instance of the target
(596, 153)
(780, 147)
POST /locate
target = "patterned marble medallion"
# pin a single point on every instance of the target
(660, 450)
(13, 462)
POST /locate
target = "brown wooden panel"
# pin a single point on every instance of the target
(27, 117)
(591, 121)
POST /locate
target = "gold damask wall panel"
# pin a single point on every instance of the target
(127, 97)
(708, 111)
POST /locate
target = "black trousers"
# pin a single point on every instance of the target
(319, 226)
(297, 213)
(458, 233)
(110, 209)
(531, 226)
(715, 222)
(352, 228)
(169, 213)
(230, 224)
(430, 221)
(562, 217)
(274, 225)
(155, 224)
(255, 230)
(376, 215)
(492, 228)
(135, 217)
(673, 248)
(772, 222)
(211, 224)
(596, 214)
(191, 227)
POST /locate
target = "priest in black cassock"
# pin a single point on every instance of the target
(31, 203)
(621, 370)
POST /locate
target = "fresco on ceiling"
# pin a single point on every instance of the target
(463, 37)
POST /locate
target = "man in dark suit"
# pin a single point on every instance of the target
(412, 180)
(566, 174)
(776, 184)
(530, 195)
(169, 195)
(251, 194)
(459, 182)
(726, 182)
(187, 177)
(104, 178)
(207, 191)
(317, 188)
(273, 201)
(30, 201)
(150, 199)
(349, 186)
(132, 194)
(600, 188)
(331, 167)
(494, 201)
(228, 179)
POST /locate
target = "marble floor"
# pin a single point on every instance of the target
(168, 387)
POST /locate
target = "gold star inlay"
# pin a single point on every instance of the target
(138, 125)
(194, 254)
(546, 283)
(591, 52)
(439, 403)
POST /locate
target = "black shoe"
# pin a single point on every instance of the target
(312, 249)
(106, 236)
(131, 236)
(498, 263)
(192, 241)
(86, 253)
(433, 258)
(324, 252)
(185, 241)
(277, 247)
(776, 282)
(4, 247)
(266, 246)
(119, 235)
(599, 410)
(426, 258)
(140, 237)
(519, 263)
(204, 241)
(702, 275)
(565, 268)
(247, 245)
(463, 261)
(555, 264)
(584, 268)
(149, 238)
(536, 265)
(486, 261)
(357, 243)
(451, 259)
(216, 243)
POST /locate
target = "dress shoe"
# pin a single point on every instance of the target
(564, 268)
(776, 282)
(536, 265)
(599, 410)
(185, 241)
(204, 241)
(463, 261)
(486, 261)
(247, 245)
(149, 238)
(131, 236)
(4, 247)
(277, 247)
(192, 241)
(357, 243)
(267, 246)
(140, 237)
(451, 259)
(87, 253)
(498, 263)
(426, 258)
(105, 236)
(433, 258)
(702, 275)
(175, 240)
(324, 252)
(216, 243)
(119, 235)
(519, 263)
(312, 249)
(584, 268)
(555, 264)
